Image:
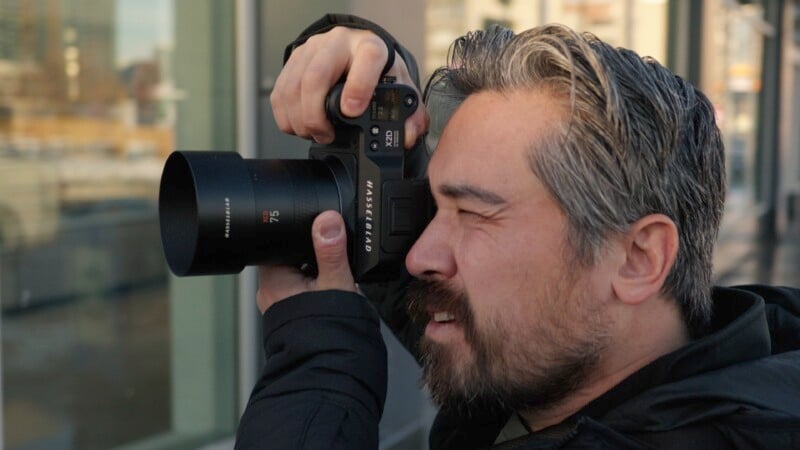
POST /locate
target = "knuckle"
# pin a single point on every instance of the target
(314, 119)
(276, 101)
(338, 253)
(283, 124)
(313, 41)
(314, 75)
(295, 126)
(336, 32)
(287, 80)
(299, 52)
(373, 48)
(330, 254)
(316, 125)
(289, 91)
(301, 132)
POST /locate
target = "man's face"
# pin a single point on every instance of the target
(512, 322)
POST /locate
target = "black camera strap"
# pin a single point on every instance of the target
(329, 21)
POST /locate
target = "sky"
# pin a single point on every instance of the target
(141, 25)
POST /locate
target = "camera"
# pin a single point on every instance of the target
(219, 212)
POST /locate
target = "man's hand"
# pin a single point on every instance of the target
(298, 98)
(276, 283)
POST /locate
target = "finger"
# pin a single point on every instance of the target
(330, 247)
(276, 283)
(281, 106)
(323, 71)
(416, 125)
(369, 58)
(286, 94)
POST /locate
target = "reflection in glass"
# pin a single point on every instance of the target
(87, 109)
(735, 62)
(636, 24)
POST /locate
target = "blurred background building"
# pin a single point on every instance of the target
(103, 348)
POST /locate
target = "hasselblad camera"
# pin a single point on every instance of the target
(219, 212)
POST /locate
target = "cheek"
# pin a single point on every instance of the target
(495, 271)
(510, 275)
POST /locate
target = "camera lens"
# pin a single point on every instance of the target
(219, 212)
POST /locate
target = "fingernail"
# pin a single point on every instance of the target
(354, 105)
(330, 231)
(323, 138)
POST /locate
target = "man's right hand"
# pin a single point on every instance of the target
(298, 99)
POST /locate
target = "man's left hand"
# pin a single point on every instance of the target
(276, 283)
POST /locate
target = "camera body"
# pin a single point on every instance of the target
(391, 207)
(219, 212)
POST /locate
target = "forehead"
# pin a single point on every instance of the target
(491, 134)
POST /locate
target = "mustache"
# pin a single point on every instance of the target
(426, 295)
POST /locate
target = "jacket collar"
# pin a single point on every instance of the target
(739, 333)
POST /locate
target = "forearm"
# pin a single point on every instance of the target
(325, 375)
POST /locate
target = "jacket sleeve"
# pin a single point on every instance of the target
(324, 381)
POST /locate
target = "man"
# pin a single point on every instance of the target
(564, 285)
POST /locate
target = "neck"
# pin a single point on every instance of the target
(649, 333)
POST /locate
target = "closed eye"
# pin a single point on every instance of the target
(472, 214)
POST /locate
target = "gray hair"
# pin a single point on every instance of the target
(638, 140)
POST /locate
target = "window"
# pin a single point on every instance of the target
(640, 25)
(100, 346)
(732, 65)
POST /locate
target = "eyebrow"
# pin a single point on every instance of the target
(466, 191)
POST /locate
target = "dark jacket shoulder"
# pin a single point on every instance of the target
(738, 387)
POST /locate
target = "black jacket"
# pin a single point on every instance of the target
(737, 387)
(324, 384)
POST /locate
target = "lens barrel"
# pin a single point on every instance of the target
(219, 212)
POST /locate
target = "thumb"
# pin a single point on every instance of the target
(330, 247)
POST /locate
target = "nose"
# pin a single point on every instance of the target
(431, 257)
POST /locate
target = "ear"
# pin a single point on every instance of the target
(650, 250)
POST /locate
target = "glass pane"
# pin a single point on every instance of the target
(732, 80)
(636, 24)
(94, 94)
